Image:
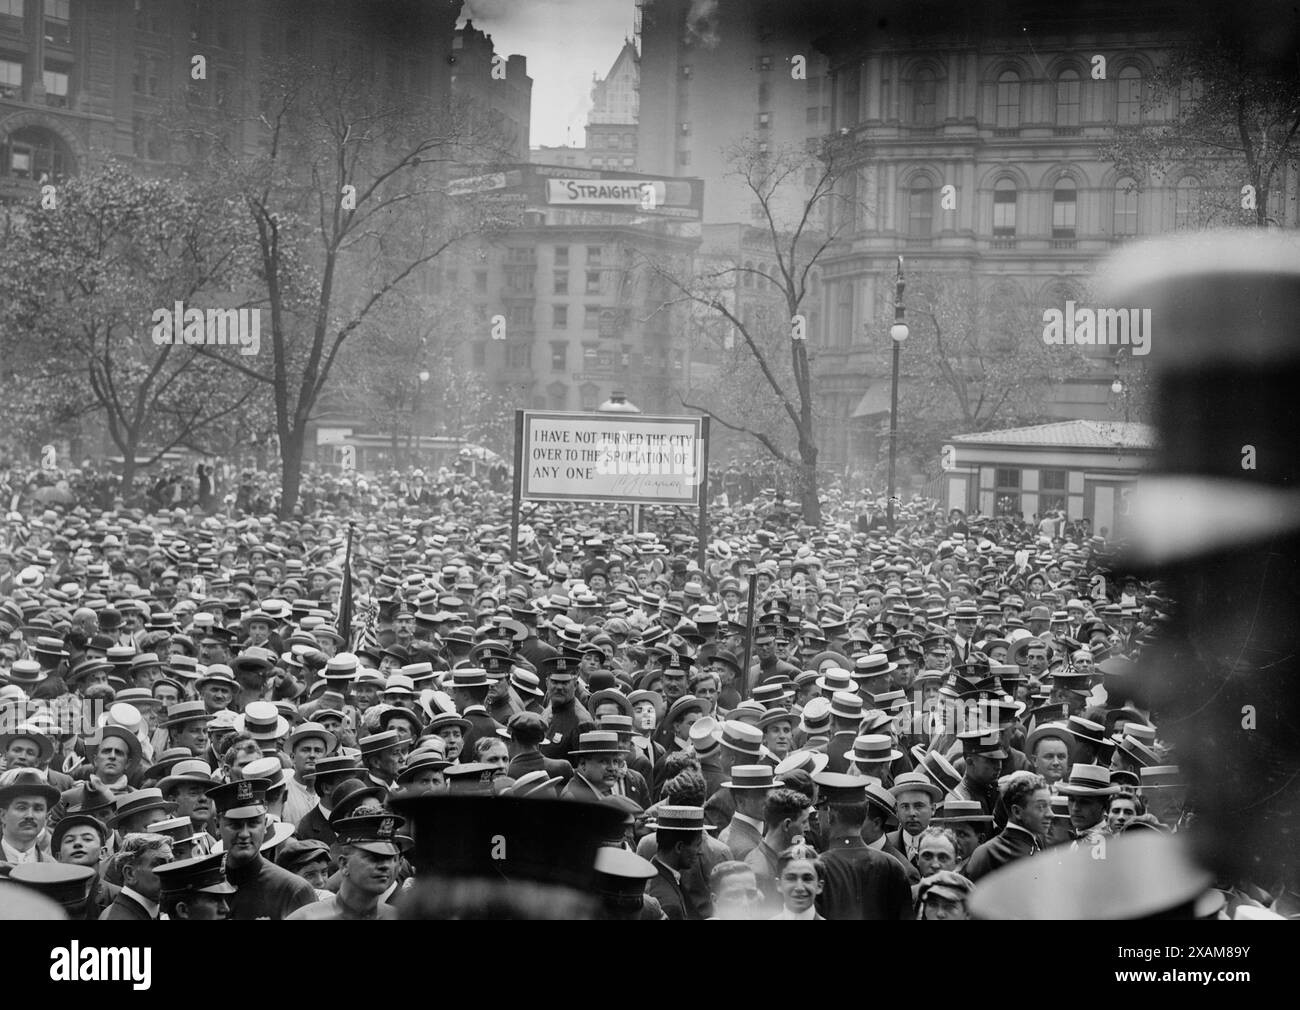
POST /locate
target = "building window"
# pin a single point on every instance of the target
(561, 282)
(1051, 491)
(11, 78)
(684, 129)
(612, 141)
(762, 148)
(479, 354)
(590, 357)
(593, 282)
(1128, 99)
(589, 395)
(560, 317)
(145, 81)
(763, 120)
(31, 152)
(1126, 207)
(923, 93)
(920, 208)
(480, 282)
(591, 317)
(58, 29)
(1008, 116)
(519, 355)
(597, 162)
(593, 255)
(628, 162)
(1064, 204)
(844, 314)
(1189, 93)
(686, 70)
(1004, 209)
(559, 357)
(520, 317)
(1007, 492)
(765, 63)
(1067, 98)
(56, 86)
(764, 92)
(561, 255)
(520, 280)
(559, 396)
(683, 158)
(11, 9)
(813, 115)
(1186, 203)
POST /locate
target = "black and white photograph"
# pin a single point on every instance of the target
(649, 460)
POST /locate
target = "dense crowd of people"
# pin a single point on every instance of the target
(370, 711)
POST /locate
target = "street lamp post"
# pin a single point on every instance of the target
(897, 333)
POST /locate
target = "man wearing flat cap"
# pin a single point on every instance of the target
(369, 848)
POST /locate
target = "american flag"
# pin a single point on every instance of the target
(368, 635)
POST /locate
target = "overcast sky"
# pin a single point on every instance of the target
(566, 41)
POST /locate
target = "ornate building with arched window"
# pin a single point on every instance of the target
(977, 141)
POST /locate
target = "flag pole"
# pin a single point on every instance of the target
(344, 627)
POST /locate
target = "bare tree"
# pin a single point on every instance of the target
(802, 210)
(348, 202)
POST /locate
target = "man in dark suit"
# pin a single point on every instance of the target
(846, 717)
(860, 882)
(915, 796)
(1028, 802)
(469, 690)
(749, 786)
(328, 774)
(679, 833)
(527, 731)
(141, 888)
(597, 754)
(880, 814)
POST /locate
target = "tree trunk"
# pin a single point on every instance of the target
(808, 499)
(291, 449)
(128, 468)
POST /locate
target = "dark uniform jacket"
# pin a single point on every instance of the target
(861, 883)
(563, 726)
(1013, 843)
(266, 891)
